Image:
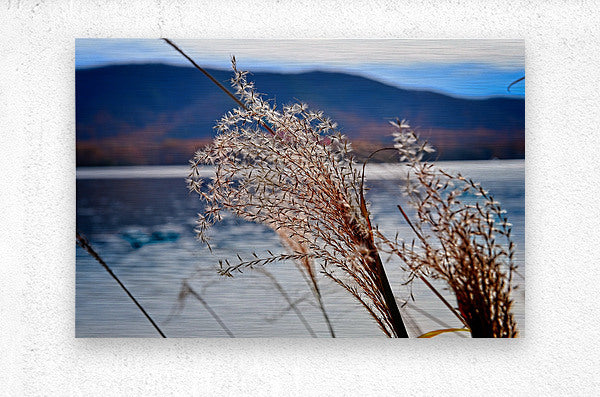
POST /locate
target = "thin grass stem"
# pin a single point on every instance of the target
(291, 304)
(85, 244)
(189, 290)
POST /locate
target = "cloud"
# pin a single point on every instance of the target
(506, 54)
(459, 67)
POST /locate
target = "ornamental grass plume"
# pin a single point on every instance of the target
(464, 238)
(292, 170)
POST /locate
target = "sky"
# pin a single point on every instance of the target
(463, 68)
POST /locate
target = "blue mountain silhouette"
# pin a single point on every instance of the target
(137, 113)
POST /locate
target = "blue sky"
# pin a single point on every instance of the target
(466, 68)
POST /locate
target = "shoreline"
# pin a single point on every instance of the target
(375, 171)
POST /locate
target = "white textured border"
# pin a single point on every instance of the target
(39, 354)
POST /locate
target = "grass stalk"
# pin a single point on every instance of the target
(215, 81)
(291, 303)
(187, 289)
(85, 244)
(356, 234)
(418, 274)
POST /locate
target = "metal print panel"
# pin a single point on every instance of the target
(304, 188)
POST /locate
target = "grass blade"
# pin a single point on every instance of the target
(431, 334)
(85, 244)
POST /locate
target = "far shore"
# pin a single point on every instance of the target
(376, 171)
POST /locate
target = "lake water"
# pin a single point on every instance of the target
(119, 207)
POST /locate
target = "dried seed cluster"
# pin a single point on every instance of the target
(463, 237)
(292, 170)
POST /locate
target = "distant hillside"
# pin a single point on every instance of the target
(158, 114)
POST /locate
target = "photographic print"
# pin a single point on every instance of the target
(300, 188)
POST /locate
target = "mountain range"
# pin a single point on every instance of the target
(160, 114)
